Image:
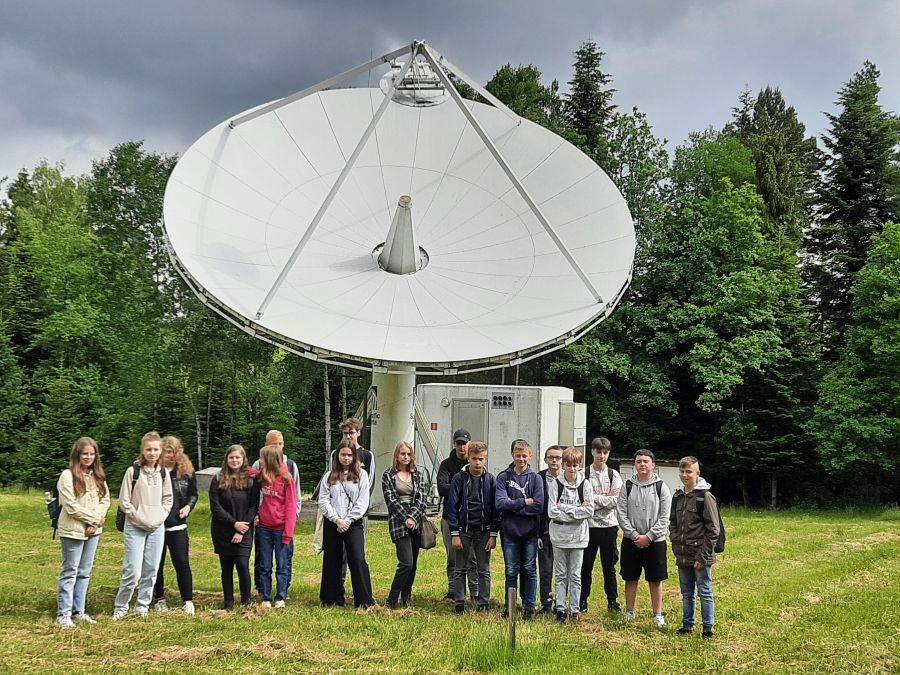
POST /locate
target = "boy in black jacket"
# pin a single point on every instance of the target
(474, 525)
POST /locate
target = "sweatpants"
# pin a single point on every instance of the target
(567, 566)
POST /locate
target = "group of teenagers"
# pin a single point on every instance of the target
(562, 517)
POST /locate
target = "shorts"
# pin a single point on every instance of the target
(651, 560)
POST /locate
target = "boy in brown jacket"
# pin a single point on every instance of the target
(694, 527)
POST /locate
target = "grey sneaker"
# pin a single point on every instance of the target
(659, 620)
(142, 612)
(629, 615)
(120, 614)
(279, 604)
(86, 618)
(189, 608)
(64, 621)
(266, 604)
(161, 606)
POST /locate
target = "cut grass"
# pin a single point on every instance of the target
(797, 591)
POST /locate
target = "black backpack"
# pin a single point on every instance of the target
(54, 508)
(629, 484)
(719, 546)
(609, 473)
(561, 486)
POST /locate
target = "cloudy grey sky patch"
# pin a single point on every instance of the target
(76, 78)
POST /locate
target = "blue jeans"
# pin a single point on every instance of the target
(269, 541)
(77, 561)
(520, 557)
(143, 551)
(689, 577)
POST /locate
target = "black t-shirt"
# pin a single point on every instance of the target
(475, 502)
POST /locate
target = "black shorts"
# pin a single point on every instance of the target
(651, 560)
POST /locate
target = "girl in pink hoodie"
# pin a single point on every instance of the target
(277, 518)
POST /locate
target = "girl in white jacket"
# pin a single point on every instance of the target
(571, 504)
(344, 501)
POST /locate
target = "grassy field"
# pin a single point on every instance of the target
(796, 592)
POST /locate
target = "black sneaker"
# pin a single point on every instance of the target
(504, 614)
(614, 606)
(528, 614)
(449, 595)
(582, 607)
(708, 634)
(460, 608)
(483, 608)
(685, 631)
(560, 616)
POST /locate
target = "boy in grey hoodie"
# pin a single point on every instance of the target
(643, 513)
(571, 504)
(695, 529)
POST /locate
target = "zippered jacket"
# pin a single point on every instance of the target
(345, 500)
(458, 499)
(184, 493)
(694, 529)
(518, 520)
(447, 469)
(643, 512)
(568, 518)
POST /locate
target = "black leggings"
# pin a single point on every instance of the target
(177, 543)
(228, 563)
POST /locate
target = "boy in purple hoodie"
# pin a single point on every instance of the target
(519, 499)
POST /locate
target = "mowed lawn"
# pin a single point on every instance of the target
(796, 592)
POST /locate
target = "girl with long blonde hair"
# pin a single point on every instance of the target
(277, 518)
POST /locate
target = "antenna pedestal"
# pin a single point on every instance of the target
(394, 423)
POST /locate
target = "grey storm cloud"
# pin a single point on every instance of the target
(78, 77)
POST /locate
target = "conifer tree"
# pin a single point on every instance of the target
(588, 105)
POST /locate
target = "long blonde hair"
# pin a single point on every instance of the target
(183, 464)
(271, 464)
(412, 457)
(78, 471)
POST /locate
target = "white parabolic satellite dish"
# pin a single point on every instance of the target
(511, 241)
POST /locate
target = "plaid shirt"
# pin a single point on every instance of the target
(397, 510)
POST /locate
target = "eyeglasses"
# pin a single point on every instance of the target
(349, 433)
(551, 458)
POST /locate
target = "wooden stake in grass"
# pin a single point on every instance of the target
(511, 605)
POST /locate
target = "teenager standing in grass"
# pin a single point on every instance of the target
(344, 501)
(184, 499)
(694, 524)
(146, 506)
(404, 495)
(519, 498)
(84, 500)
(474, 526)
(553, 457)
(571, 504)
(233, 502)
(277, 518)
(603, 527)
(642, 510)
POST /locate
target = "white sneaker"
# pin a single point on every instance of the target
(64, 621)
(659, 620)
(266, 604)
(86, 618)
(161, 606)
(189, 608)
(279, 604)
(142, 612)
(629, 615)
(120, 614)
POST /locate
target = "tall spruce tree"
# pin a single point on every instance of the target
(588, 105)
(858, 194)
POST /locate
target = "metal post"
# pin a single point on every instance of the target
(507, 169)
(325, 84)
(334, 188)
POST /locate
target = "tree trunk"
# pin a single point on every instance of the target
(197, 426)
(326, 400)
(343, 395)
(745, 490)
(774, 503)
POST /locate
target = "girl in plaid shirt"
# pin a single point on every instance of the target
(404, 494)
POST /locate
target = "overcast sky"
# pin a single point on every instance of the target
(76, 78)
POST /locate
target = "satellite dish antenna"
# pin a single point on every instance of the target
(399, 229)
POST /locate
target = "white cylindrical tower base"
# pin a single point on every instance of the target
(393, 423)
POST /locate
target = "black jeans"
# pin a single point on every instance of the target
(407, 561)
(602, 540)
(228, 563)
(334, 544)
(545, 566)
(177, 543)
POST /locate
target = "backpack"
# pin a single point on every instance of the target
(561, 486)
(135, 474)
(54, 508)
(719, 546)
(629, 484)
(609, 473)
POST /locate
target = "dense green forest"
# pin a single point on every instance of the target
(761, 331)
